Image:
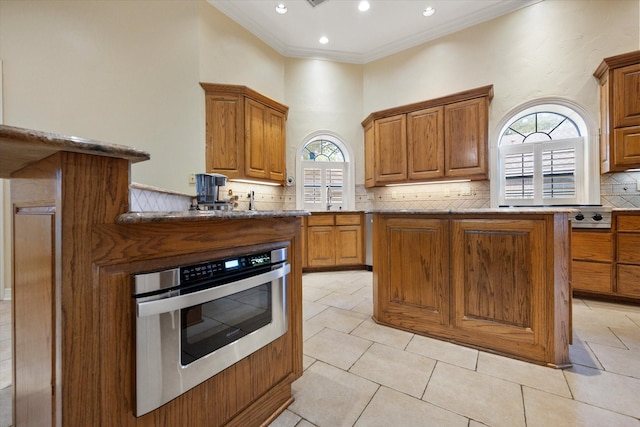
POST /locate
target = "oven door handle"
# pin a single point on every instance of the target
(168, 304)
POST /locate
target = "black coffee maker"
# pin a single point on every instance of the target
(208, 191)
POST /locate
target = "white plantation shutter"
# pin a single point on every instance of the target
(324, 185)
(542, 172)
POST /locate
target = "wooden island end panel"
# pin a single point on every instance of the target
(497, 283)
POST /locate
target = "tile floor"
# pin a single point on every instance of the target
(360, 374)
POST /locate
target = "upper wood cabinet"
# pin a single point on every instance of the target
(437, 139)
(245, 134)
(619, 78)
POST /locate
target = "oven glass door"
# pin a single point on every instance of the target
(214, 324)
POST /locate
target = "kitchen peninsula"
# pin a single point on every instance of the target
(493, 279)
(76, 250)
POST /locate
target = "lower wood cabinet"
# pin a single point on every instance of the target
(592, 260)
(492, 282)
(606, 263)
(334, 240)
(627, 255)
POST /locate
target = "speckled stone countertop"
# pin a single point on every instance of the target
(21, 147)
(492, 211)
(146, 217)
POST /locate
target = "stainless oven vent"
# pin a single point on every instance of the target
(314, 3)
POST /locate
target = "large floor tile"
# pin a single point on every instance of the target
(581, 354)
(394, 368)
(314, 294)
(286, 419)
(329, 397)
(341, 300)
(6, 408)
(618, 360)
(544, 410)
(445, 351)
(630, 337)
(6, 373)
(539, 377)
(383, 334)
(484, 398)
(606, 390)
(312, 308)
(392, 408)
(338, 319)
(336, 348)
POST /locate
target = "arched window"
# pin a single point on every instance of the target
(324, 172)
(543, 157)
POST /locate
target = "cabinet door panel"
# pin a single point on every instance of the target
(629, 280)
(626, 96)
(321, 243)
(224, 148)
(425, 143)
(369, 156)
(255, 142)
(627, 146)
(391, 148)
(34, 301)
(349, 245)
(348, 219)
(592, 245)
(466, 138)
(628, 223)
(496, 267)
(592, 276)
(628, 248)
(276, 145)
(414, 294)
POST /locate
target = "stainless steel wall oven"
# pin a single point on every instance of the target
(196, 320)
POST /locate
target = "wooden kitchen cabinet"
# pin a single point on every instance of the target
(444, 138)
(334, 240)
(245, 134)
(619, 79)
(592, 260)
(628, 255)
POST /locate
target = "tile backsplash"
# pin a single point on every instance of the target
(618, 190)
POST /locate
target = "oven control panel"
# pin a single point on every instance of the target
(214, 269)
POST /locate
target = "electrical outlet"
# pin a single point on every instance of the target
(638, 184)
(394, 195)
(192, 178)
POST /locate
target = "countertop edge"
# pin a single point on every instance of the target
(196, 216)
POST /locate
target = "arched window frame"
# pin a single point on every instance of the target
(589, 191)
(349, 178)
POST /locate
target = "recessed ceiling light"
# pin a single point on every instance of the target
(363, 6)
(281, 9)
(323, 40)
(428, 11)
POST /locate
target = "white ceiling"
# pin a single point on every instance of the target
(389, 26)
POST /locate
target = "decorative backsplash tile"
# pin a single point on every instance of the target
(618, 190)
(149, 199)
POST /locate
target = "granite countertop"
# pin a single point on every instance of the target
(510, 210)
(146, 217)
(21, 147)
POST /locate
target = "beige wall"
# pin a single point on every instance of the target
(324, 96)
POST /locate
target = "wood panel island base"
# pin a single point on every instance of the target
(76, 250)
(497, 280)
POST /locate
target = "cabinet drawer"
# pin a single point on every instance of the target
(591, 276)
(322, 219)
(592, 245)
(629, 280)
(348, 219)
(629, 248)
(629, 223)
